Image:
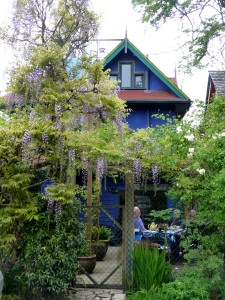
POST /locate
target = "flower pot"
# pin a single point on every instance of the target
(106, 242)
(100, 249)
(87, 263)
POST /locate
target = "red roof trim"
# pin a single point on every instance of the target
(143, 95)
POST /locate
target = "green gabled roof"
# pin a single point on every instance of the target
(173, 87)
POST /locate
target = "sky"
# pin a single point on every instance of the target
(118, 17)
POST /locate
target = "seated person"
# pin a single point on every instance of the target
(174, 241)
(176, 220)
(138, 223)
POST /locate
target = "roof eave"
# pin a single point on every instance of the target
(187, 101)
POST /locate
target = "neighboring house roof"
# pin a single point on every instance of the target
(170, 83)
(216, 84)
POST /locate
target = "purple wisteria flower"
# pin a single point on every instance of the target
(137, 170)
(50, 206)
(155, 176)
(26, 138)
(58, 211)
(137, 147)
(35, 75)
(58, 110)
(101, 169)
(32, 115)
(71, 157)
(84, 162)
(12, 98)
(26, 153)
(119, 123)
(47, 117)
(116, 90)
(45, 138)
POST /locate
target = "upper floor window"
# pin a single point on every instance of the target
(126, 76)
(139, 81)
(114, 77)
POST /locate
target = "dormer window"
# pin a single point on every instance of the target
(139, 81)
(114, 77)
(126, 76)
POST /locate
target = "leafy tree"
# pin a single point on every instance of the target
(38, 22)
(62, 120)
(202, 23)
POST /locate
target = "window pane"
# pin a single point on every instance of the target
(113, 77)
(139, 81)
(126, 75)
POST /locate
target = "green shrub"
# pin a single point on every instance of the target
(187, 286)
(149, 268)
(11, 297)
(101, 233)
(143, 295)
(47, 264)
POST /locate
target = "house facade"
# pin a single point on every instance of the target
(146, 91)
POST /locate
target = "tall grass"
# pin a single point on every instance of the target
(149, 268)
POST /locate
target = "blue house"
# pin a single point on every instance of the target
(147, 91)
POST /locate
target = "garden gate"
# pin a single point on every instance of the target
(115, 268)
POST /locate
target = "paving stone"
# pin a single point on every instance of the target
(85, 294)
(103, 295)
(116, 291)
(119, 297)
(96, 294)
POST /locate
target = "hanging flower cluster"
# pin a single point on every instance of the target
(101, 169)
(45, 138)
(57, 207)
(58, 110)
(71, 157)
(50, 206)
(119, 123)
(12, 98)
(84, 162)
(137, 170)
(155, 176)
(35, 75)
(58, 214)
(116, 90)
(26, 154)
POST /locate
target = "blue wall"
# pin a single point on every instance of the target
(141, 115)
(111, 196)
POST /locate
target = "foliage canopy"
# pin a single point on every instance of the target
(202, 23)
(38, 22)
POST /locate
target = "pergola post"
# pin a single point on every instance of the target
(128, 221)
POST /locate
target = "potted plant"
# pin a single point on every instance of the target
(85, 256)
(100, 240)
